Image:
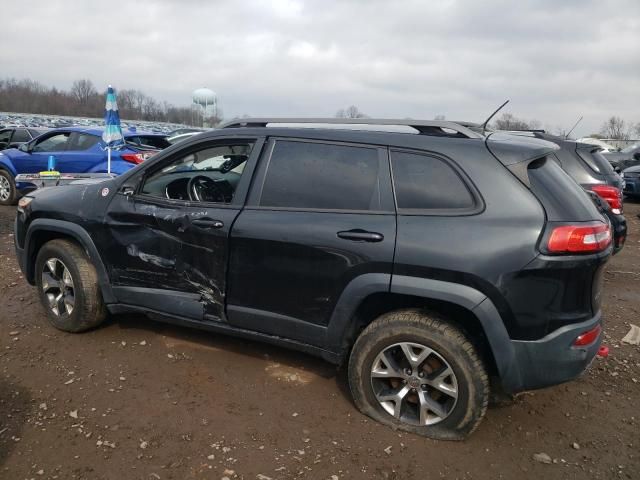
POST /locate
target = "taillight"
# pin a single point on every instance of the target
(612, 195)
(588, 337)
(590, 237)
(136, 157)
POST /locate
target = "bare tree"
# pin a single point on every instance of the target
(510, 122)
(615, 128)
(82, 99)
(440, 117)
(350, 112)
(83, 90)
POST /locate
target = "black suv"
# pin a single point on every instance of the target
(436, 262)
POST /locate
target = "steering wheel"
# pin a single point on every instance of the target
(204, 189)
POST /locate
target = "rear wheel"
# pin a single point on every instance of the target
(415, 372)
(68, 287)
(7, 188)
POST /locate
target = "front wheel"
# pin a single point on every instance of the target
(415, 372)
(68, 287)
(7, 188)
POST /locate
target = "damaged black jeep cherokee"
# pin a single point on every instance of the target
(437, 262)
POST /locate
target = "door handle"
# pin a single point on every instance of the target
(206, 222)
(358, 235)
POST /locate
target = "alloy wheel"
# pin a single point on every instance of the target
(414, 383)
(57, 285)
(5, 188)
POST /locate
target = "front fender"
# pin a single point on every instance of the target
(46, 225)
(7, 164)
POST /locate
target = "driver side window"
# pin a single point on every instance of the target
(209, 174)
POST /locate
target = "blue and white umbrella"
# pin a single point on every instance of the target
(112, 135)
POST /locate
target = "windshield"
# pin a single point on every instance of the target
(222, 158)
(631, 148)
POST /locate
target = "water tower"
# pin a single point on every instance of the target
(205, 101)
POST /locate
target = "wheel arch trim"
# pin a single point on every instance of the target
(80, 235)
(464, 296)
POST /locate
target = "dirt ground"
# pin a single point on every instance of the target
(136, 399)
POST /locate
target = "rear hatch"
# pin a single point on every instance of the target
(562, 285)
(594, 159)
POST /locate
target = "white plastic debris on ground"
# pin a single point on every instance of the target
(633, 336)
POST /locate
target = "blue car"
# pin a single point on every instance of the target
(76, 150)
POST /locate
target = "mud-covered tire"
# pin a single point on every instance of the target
(7, 185)
(416, 327)
(88, 310)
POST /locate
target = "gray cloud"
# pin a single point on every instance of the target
(554, 60)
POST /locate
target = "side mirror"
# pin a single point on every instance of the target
(130, 186)
(636, 155)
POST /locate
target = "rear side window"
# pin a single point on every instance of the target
(322, 176)
(82, 141)
(423, 182)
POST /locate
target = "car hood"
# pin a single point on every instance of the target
(635, 169)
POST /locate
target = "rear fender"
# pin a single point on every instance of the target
(461, 295)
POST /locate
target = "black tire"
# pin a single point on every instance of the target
(449, 344)
(88, 310)
(6, 177)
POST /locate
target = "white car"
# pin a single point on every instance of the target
(606, 147)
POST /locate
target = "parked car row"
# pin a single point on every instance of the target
(76, 150)
(439, 265)
(625, 158)
(13, 120)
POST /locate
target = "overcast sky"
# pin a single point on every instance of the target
(556, 60)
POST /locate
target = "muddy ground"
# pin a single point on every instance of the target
(136, 399)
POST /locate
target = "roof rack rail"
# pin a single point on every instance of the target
(436, 128)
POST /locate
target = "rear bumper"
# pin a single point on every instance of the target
(553, 359)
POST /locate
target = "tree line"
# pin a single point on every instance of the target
(84, 100)
(614, 127)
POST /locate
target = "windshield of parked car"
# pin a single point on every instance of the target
(631, 148)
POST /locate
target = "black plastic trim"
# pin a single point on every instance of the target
(82, 237)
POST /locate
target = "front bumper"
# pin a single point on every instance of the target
(553, 359)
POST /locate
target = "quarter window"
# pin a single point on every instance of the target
(423, 182)
(322, 176)
(83, 141)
